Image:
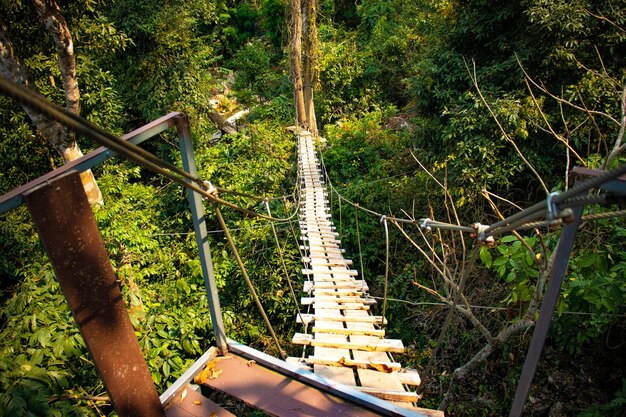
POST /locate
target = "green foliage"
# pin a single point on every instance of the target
(614, 408)
(345, 88)
(256, 78)
(516, 266)
(42, 355)
(594, 287)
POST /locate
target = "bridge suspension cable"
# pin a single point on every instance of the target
(129, 150)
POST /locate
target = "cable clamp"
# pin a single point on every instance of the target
(425, 224)
(551, 213)
(479, 234)
(210, 188)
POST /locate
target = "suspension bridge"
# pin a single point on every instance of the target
(352, 364)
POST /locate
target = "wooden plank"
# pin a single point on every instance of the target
(342, 375)
(320, 248)
(345, 306)
(310, 286)
(341, 292)
(391, 395)
(334, 299)
(367, 332)
(409, 377)
(308, 318)
(341, 361)
(384, 345)
(350, 272)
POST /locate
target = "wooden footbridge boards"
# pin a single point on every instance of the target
(348, 342)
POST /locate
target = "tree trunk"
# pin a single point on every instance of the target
(221, 123)
(296, 62)
(311, 60)
(12, 68)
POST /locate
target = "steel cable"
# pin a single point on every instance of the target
(119, 146)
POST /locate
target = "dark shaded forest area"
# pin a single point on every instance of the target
(455, 110)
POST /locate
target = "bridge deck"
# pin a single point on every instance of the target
(348, 345)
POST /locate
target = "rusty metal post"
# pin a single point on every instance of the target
(559, 268)
(202, 237)
(71, 238)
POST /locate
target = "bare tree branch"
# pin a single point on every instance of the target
(506, 136)
(618, 147)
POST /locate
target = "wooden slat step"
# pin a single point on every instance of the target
(350, 272)
(390, 395)
(341, 292)
(330, 264)
(365, 332)
(308, 318)
(344, 306)
(382, 345)
(343, 362)
(320, 239)
(409, 377)
(350, 284)
(319, 248)
(306, 301)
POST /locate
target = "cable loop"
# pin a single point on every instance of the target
(552, 209)
(424, 224)
(480, 235)
(210, 188)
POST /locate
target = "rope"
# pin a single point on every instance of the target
(494, 308)
(119, 146)
(358, 238)
(589, 217)
(383, 220)
(282, 261)
(244, 272)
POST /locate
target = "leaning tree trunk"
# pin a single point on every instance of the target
(12, 68)
(311, 60)
(295, 47)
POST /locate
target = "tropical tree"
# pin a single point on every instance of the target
(12, 67)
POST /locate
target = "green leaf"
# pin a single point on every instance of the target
(485, 256)
(507, 239)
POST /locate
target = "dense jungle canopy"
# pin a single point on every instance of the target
(449, 109)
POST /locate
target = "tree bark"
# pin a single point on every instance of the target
(221, 123)
(311, 60)
(12, 68)
(296, 62)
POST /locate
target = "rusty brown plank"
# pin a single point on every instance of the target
(276, 394)
(190, 403)
(71, 238)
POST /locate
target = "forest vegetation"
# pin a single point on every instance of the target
(455, 110)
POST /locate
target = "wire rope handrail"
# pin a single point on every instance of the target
(128, 149)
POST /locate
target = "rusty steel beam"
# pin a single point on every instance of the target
(546, 312)
(71, 238)
(15, 197)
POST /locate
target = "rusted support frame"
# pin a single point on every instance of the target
(199, 226)
(71, 238)
(561, 260)
(15, 197)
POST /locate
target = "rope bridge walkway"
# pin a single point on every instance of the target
(348, 345)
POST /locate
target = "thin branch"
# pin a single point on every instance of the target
(562, 100)
(506, 136)
(545, 119)
(618, 147)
